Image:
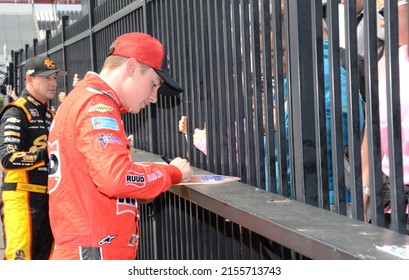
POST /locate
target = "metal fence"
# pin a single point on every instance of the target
(243, 64)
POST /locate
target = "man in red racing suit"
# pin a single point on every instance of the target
(94, 185)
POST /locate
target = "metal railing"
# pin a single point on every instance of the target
(223, 53)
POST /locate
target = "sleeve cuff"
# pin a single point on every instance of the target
(174, 173)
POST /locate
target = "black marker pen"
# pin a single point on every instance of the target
(166, 159)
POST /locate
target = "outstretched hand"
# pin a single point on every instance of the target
(183, 124)
(11, 93)
(76, 80)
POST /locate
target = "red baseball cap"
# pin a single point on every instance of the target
(148, 50)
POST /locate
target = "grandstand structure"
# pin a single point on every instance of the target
(22, 21)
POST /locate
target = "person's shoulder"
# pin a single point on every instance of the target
(12, 113)
(97, 102)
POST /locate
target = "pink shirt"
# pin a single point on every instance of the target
(404, 101)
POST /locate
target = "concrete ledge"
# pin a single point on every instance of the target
(310, 231)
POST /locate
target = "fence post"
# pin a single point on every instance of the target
(301, 81)
(64, 50)
(47, 38)
(26, 46)
(153, 124)
(35, 42)
(91, 18)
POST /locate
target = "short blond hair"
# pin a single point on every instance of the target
(114, 61)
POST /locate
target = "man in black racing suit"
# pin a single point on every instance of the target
(24, 127)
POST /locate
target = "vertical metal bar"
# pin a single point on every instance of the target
(200, 239)
(175, 66)
(247, 92)
(175, 48)
(255, 246)
(267, 86)
(237, 253)
(17, 85)
(168, 224)
(12, 74)
(288, 88)
(372, 114)
(220, 100)
(336, 150)
(238, 97)
(245, 244)
(159, 233)
(171, 30)
(152, 127)
(186, 231)
(193, 222)
(186, 66)
(35, 43)
(91, 18)
(398, 217)
(257, 131)
(26, 46)
(189, 76)
(319, 106)
(207, 234)
(46, 41)
(228, 248)
(213, 230)
(279, 96)
(354, 133)
(20, 67)
(195, 98)
(229, 87)
(221, 238)
(149, 230)
(173, 227)
(302, 90)
(65, 19)
(166, 29)
(202, 116)
(177, 222)
(210, 103)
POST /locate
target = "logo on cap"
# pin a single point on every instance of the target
(49, 63)
(42, 66)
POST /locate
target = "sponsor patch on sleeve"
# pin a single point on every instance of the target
(135, 179)
(108, 139)
(13, 120)
(34, 112)
(100, 108)
(12, 133)
(11, 148)
(13, 127)
(105, 123)
(11, 140)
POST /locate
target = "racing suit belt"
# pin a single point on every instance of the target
(24, 187)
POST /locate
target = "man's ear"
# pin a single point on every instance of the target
(29, 78)
(131, 65)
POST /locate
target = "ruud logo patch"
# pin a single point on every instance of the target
(135, 179)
